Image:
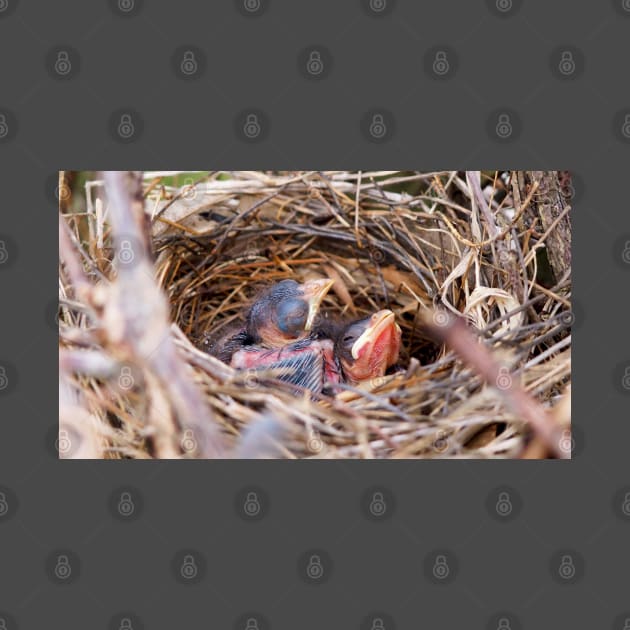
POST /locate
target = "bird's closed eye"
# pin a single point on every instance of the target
(292, 316)
(296, 314)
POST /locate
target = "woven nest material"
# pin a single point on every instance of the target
(437, 248)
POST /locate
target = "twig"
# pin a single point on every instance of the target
(138, 313)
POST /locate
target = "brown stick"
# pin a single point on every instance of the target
(77, 276)
(138, 318)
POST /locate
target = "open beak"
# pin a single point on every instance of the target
(380, 322)
(314, 292)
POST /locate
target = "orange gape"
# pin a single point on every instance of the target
(366, 348)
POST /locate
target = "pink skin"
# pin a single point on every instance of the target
(257, 358)
(375, 350)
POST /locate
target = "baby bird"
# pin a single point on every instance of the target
(365, 348)
(281, 314)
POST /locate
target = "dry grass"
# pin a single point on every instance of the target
(135, 381)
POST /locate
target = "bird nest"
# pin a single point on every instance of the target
(475, 266)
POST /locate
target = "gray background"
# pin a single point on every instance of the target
(254, 62)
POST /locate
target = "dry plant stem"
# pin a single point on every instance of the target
(161, 419)
(76, 419)
(555, 220)
(88, 362)
(240, 217)
(506, 260)
(179, 195)
(456, 335)
(138, 315)
(73, 266)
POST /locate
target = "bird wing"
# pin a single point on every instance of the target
(305, 369)
(298, 364)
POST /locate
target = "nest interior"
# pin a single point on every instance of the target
(474, 244)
